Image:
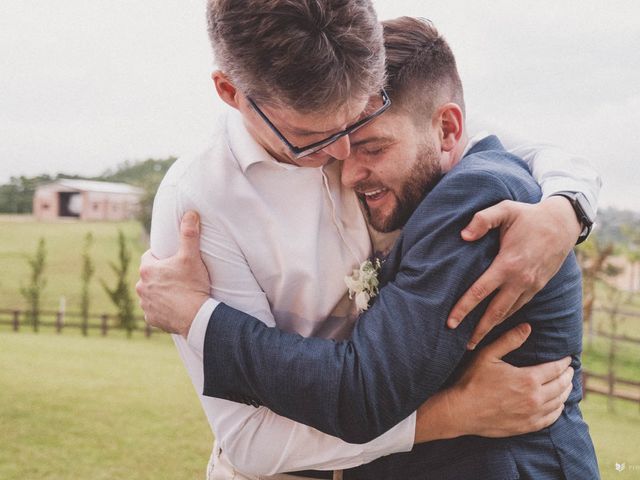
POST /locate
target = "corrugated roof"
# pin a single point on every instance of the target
(94, 186)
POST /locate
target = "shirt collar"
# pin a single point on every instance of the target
(245, 149)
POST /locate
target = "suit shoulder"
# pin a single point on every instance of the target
(493, 173)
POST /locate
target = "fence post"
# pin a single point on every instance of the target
(103, 319)
(16, 320)
(59, 322)
(612, 380)
(147, 330)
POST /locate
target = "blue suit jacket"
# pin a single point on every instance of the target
(401, 351)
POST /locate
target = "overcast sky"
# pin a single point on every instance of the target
(85, 85)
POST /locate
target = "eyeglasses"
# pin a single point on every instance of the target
(374, 109)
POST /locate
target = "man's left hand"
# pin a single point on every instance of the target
(172, 290)
(534, 242)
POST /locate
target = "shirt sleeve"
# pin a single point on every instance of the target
(198, 329)
(256, 440)
(553, 168)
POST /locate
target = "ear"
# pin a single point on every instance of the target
(449, 120)
(227, 91)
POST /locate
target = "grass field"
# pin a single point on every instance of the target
(93, 408)
(64, 242)
(74, 407)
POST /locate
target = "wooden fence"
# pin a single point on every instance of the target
(621, 313)
(18, 320)
(611, 386)
(624, 313)
(609, 383)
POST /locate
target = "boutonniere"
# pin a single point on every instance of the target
(363, 283)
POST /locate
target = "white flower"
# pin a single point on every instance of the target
(362, 301)
(363, 283)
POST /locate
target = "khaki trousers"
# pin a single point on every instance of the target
(220, 468)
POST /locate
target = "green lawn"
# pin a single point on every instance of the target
(616, 435)
(94, 408)
(64, 241)
(105, 408)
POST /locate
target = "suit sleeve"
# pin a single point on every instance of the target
(401, 351)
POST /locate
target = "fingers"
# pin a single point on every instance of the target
(567, 391)
(547, 413)
(189, 235)
(485, 220)
(553, 409)
(508, 342)
(546, 372)
(549, 419)
(554, 390)
(495, 314)
(524, 299)
(488, 282)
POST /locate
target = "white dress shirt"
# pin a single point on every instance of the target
(278, 241)
(276, 238)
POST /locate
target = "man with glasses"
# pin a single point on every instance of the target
(280, 238)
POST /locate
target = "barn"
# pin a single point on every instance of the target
(86, 200)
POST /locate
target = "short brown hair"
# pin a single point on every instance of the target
(421, 68)
(311, 55)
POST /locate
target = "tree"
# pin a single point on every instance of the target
(17, 196)
(121, 294)
(593, 256)
(88, 269)
(32, 293)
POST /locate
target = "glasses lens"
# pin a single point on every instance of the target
(374, 107)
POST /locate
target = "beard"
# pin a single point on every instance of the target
(423, 176)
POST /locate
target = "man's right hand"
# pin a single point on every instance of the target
(173, 289)
(496, 399)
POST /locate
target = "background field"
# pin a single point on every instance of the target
(19, 237)
(103, 408)
(93, 408)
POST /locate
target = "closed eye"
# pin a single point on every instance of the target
(372, 152)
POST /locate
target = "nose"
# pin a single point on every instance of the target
(340, 149)
(353, 172)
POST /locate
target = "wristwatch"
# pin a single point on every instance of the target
(584, 212)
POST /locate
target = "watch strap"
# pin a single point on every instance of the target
(581, 208)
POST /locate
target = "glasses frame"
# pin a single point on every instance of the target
(300, 152)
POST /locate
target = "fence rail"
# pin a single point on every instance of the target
(105, 322)
(620, 338)
(624, 313)
(609, 385)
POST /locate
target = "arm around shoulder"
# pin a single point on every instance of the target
(401, 351)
